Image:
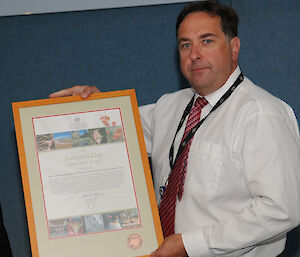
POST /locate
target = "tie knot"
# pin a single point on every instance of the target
(200, 102)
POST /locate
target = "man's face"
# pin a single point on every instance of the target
(207, 58)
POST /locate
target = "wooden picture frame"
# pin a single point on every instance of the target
(86, 177)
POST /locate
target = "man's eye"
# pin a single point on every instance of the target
(207, 41)
(185, 45)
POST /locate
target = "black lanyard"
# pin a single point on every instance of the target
(194, 130)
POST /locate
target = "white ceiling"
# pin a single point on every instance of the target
(20, 7)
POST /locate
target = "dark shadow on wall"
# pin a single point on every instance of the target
(5, 246)
(182, 81)
(19, 244)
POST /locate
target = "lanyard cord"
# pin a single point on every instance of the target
(194, 130)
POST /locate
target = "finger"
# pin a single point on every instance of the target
(153, 254)
(76, 90)
(88, 90)
(60, 93)
(156, 253)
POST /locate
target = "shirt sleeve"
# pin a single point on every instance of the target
(146, 114)
(267, 147)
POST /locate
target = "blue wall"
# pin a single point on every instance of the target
(127, 48)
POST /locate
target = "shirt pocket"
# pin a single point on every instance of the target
(206, 163)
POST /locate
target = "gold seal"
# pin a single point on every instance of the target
(134, 241)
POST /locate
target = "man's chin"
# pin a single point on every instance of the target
(201, 88)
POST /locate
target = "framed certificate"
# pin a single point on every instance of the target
(86, 178)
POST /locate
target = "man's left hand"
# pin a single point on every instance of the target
(171, 247)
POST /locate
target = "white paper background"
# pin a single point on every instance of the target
(87, 179)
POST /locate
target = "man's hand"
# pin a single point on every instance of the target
(171, 247)
(84, 91)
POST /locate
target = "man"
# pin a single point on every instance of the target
(236, 177)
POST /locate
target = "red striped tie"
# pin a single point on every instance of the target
(176, 180)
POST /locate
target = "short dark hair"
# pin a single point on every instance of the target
(229, 17)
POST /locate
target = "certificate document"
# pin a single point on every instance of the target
(85, 172)
(86, 178)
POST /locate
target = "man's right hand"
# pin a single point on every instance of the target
(84, 91)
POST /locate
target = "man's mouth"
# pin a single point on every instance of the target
(198, 68)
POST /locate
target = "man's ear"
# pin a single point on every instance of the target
(235, 44)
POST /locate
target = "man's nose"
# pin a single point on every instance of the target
(195, 53)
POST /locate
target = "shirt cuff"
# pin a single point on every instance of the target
(195, 244)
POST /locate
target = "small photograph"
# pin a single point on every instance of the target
(114, 134)
(130, 218)
(75, 226)
(63, 140)
(45, 142)
(112, 221)
(80, 138)
(94, 223)
(58, 228)
(106, 120)
(121, 220)
(98, 136)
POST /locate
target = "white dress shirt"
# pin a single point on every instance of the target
(242, 187)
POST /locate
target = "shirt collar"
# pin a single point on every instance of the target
(214, 97)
